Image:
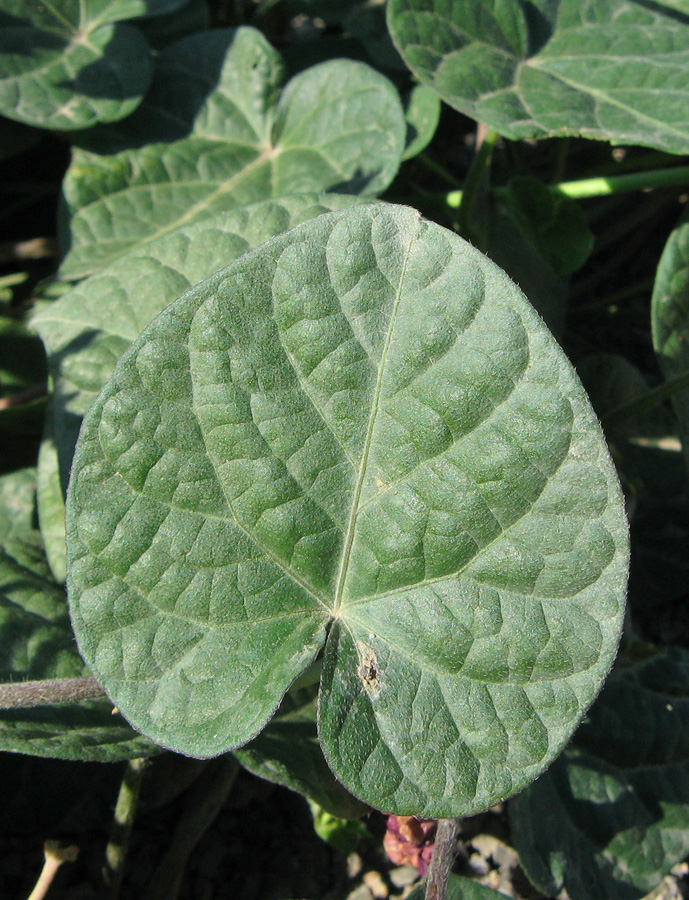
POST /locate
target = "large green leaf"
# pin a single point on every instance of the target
(360, 428)
(670, 320)
(611, 817)
(72, 63)
(87, 330)
(215, 133)
(614, 70)
(37, 643)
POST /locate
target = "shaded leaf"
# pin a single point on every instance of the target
(287, 752)
(37, 642)
(50, 501)
(614, 70)
(612, 382)
(611, 817)
(670, 320)
(73, 63)
(361, 427)
(460, 888)
(554, 225)
(215, 132)
(422, 112)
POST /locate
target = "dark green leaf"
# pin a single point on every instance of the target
(615, 70)
(554, 225)
(459, 888)
(611, 817)
(37, 642)
(361, 426)
(670, 320)
(287, 752)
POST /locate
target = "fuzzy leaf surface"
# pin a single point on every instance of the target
(615, 70)
(611, 817)
(88, 329)
(217, 132)
(73, 63)
(361, 429)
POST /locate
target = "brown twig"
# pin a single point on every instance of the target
(27, 694)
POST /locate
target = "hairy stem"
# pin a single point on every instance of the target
(25, 694)
(444, 851)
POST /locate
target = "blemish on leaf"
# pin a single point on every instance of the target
(368, 671)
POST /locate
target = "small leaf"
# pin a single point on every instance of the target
(614, 70)
(670, 320)
(362, 428)
(215, 133)
(611, 817)
(422, 112)
(50, 502)
(72, 63)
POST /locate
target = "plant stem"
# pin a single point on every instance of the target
(123, 820)
(207, 799)
(618, 184)
(26, 694)
(485, 141)
(55, 855)
(438, 170)
(587, 188)
(444, 851)
(649, 401)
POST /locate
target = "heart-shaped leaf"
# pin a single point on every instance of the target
(615, 70)
(611, 817)
(215, 133)
(359, 430)
(73, 63)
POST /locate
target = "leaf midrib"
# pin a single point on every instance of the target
(354, 513)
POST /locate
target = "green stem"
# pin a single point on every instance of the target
(438, 170)
(649, 401)
(123, 820)
(618, 184)
(599, 187)
(205, 802)
(486, 138)
(444, 850)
